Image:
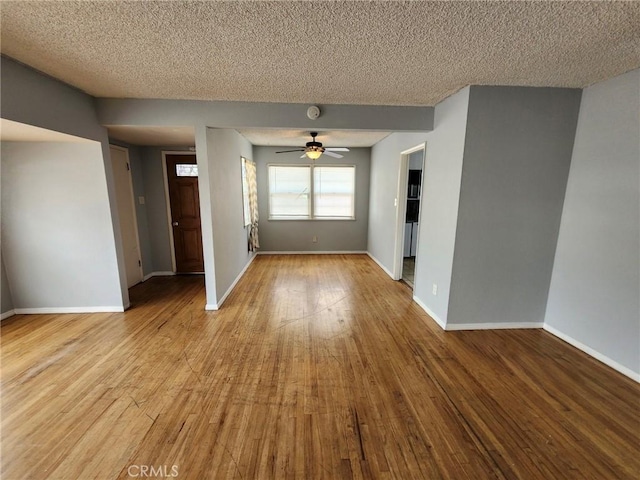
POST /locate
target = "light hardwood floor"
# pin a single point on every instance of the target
(316, 367)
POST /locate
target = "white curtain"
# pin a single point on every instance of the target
(254, 242)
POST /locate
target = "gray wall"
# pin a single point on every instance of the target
(594, 295)
(516, 163)
(296, 235)
(34, 99)
(383, 190)
(230, 246)
(218, 114)
(57, 236)
(6, 303)
(156, 208)
(439, 204)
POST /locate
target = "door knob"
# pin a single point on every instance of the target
(175, 224)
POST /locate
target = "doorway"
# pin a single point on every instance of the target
(184, 212)
(408, 213)
(126, 213)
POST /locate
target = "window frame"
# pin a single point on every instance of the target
(312, 192)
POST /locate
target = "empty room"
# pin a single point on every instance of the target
(320, 239)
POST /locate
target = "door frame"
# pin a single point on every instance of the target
(133, 207)
(167, 199)
(401, 210)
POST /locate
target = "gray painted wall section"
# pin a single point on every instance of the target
(34, 99)
(57, 236)
(112, 111)
(296, 235)
(383, 190)
(6, 304)
(156, 209)
(230, 246)
(439, 204)
(516, 163)
(594, 297)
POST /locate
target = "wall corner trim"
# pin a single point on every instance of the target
(226, 294)
(593, 353)
(435, 318)
(380, 265)
(7, 314)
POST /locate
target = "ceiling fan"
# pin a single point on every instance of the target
(314, 149)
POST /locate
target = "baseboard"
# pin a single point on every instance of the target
(45, 310)
(314, 252)
(380, 265)
(211, 307)
(437, 319)
(593, 353)
(7, 314)
(235, 282)
(157, 274)
(492, 326)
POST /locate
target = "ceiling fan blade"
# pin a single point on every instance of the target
(332, 154)
(304, 155)
(296, 150)
(337, 149)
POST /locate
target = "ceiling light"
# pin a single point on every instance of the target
(313, 154)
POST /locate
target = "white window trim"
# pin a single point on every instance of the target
(312, 192)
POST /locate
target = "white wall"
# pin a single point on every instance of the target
(594, 294)
(57, 236)
(230, 237)
(297, 235)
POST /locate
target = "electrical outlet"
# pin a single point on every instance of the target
(314, 239)
(434, 289)
(141, 200)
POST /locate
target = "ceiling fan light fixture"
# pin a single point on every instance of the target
(313, 154)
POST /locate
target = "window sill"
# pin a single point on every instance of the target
(307, 219)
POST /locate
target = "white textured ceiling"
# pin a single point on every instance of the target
(393, 53)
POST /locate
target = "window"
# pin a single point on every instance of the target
(312, 192)
(186, 170)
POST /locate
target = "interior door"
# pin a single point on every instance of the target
(182, 176)
(127, 214)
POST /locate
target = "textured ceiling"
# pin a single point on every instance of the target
(393, 53)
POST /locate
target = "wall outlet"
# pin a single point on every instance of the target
(314, 239)
(434, 289)
(141, 200)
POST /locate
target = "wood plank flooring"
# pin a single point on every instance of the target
(315, 367)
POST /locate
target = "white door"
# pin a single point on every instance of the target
(127, 214)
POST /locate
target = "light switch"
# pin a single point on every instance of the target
(141, 200)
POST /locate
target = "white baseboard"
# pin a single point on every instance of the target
(314, 252)
(492, 326)
(44, 310)
(437, 319)
(157, 274)
(7, 314)
(217, 306)
(595, 354)
(380, 264)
